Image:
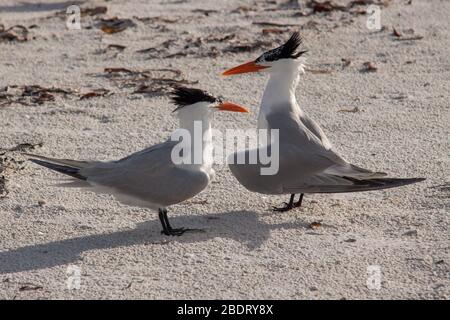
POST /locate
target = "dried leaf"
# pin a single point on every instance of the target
(273, 31)
(115, 25)
(93, 11)
(95, 93)
(274, 24)
(206, 12)
(116, 46)
(30, 286)
(117, 70)
(396, 33)
(369, 67)
(326, 6)
(315, 225)
(354, 110)
(346, 62)
(316, 71)
(17, 33)
(409, 38)
(157, 19)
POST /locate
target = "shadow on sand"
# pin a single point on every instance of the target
(40, 7)
(242, 226)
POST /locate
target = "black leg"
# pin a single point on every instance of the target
(299, 202)
(162, 219)
(167, 228)
(287, 206)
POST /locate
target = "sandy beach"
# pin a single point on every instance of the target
(100, 93)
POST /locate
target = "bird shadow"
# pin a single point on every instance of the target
(242, 226)
(39, 7)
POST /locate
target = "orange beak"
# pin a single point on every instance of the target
(228, 106)
(244, 68)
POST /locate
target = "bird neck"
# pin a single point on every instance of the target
(200, 152)
(279, 92)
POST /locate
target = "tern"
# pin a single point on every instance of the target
(307, 161)
(150, 178)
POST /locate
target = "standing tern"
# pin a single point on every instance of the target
(150, 178)
(307, 161)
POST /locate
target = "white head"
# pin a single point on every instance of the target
(196, 103)
(283, 59)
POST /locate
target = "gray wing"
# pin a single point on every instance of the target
(299, 146)
(314, 128)
(302, 158)
(148, 175)
(305, 163)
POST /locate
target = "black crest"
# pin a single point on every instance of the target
(286, 51)
(182, 96)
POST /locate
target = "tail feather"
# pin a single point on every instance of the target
(353, 171)
(348, 184)
(65, 169)
(65, 162)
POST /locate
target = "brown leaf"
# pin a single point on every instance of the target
(30, 286)
(115, 25)
(117, 70)
(157, 19)
(273, 31)
(346, 62)
(315, 225)
(206, 12)
(17, 33)
(354, 110)
(93, 11)
(326, 6)
(116, 46)
(396, 33)
(274, 24)
(95, 93)
(369, 67)
(316, 71)
(409, 38)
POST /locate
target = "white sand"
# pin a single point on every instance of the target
(247, 250)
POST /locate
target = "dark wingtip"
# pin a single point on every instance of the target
(73, 172)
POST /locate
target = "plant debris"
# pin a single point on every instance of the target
(115, 25)
(409, 38)
(369, 67)
(17, 33)
(205, 12)
(274, 24)
(330, 6)
(273, 31)
(151, 20)
(396, 33)
(354, 110)
(345, 62)
(30, 94)
(315, 225)
(95, 93)
(93, 11)
(155, 82)
(318, 71)
(9, 165)
(30, 286)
